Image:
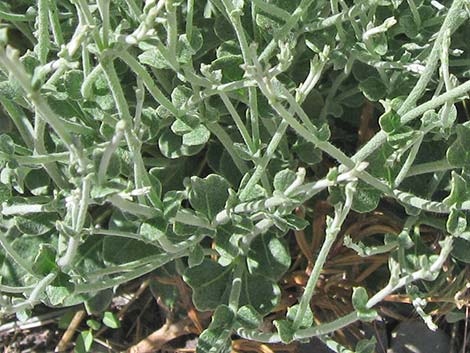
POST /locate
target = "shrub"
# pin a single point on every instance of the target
(198, 134)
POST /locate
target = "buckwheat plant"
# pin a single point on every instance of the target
(137, 134)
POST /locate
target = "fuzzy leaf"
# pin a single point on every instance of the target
(260, 292)
(208, 195)
(209, 282)
(373, 88)
(249, 317)
(44, 263)
(216, 338)
(307, 320)
(99, 302)
(284, 179)
(268, 257)
(198, 136)
(285, 330)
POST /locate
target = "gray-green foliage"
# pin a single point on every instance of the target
(136, 132)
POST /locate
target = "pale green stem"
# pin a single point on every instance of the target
(34, 297)
(450, 22)
(172, 28)
(11, 289)
(110, 149)
(148, 82)
(238, 121)
(381, 137)
(235, 291)
(227, 142)
(285, 29)
(140, 98)
(16, 69)
(189, 19)
(42, 48)
(132, 207)
(157, 261)
(263, 163)
(141, 178)
(319, 330)
(87, 85)
(74, 242)
(234, 17)
(20, 120)
(429, 167)
(103, 6)
(408, 162)
(19, 209)
(134, 9)
(55, 23)
(417, 275)
(20, 260)
(341, 211)
(39, 147)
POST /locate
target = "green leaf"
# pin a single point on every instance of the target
(461, 250)
(99, 302)
(72, 81)
(268, 257)
(209, 282)
(36, 223)
(359, 302)
(455, 316)
(456, 222)
(458, 153)
(458, 192)
(117, 250)
(294, 222)
(260, 292)
(84, 342)
(390, 122)
(198, 136)
(248, 317)
(110, 320)
(216, 338)
(5, 192)
(186, 49)
(171, 146)
(7, 145)
(366, 198)
(60, 289)
(180, 97)
(44, 263)
(230, 67)
(285, 330)
(208, 195)
(154, 58)
(307, 320)
(180, 128)
(373, 88)
(366, 345)
(93, 324)
(284, 179)
(360, 298)
(307, 152)
(152, 230)
(37, 181)
(196, 256)
(228, 238)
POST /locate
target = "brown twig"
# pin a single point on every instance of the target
(126, 307)
(169, 331)
(68, 334)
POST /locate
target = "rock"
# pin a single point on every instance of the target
(415, 337)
